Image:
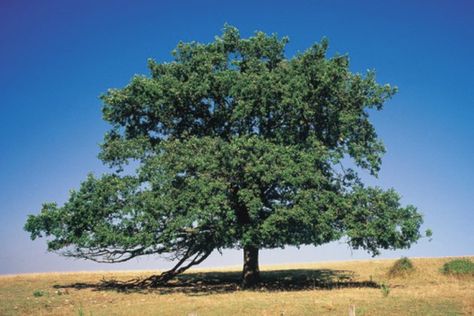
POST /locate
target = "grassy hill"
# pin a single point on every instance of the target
(298, 289)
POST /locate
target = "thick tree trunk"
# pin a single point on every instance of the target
(251, 272)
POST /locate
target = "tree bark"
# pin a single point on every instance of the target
(251, 272)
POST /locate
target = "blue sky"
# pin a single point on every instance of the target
(57, 57)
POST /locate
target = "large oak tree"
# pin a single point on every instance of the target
(234, 145)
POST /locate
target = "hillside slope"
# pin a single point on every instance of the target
(303, 289)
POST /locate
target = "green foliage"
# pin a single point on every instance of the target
(233, 144)
(459, 267)
(38, 293)
(429, 233)
(81, 312)
(401, 267)
(385, 289)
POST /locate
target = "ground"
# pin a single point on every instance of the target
(303, 289)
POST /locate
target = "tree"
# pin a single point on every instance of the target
(233, 145)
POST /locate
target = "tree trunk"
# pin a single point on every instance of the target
(251, 272)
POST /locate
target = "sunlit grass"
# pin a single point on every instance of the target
(299, 289)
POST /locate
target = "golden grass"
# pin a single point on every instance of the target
(205, 292)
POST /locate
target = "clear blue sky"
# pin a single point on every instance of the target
(57, 57)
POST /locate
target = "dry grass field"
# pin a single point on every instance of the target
(303, 289)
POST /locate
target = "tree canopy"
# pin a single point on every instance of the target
(234, 145)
